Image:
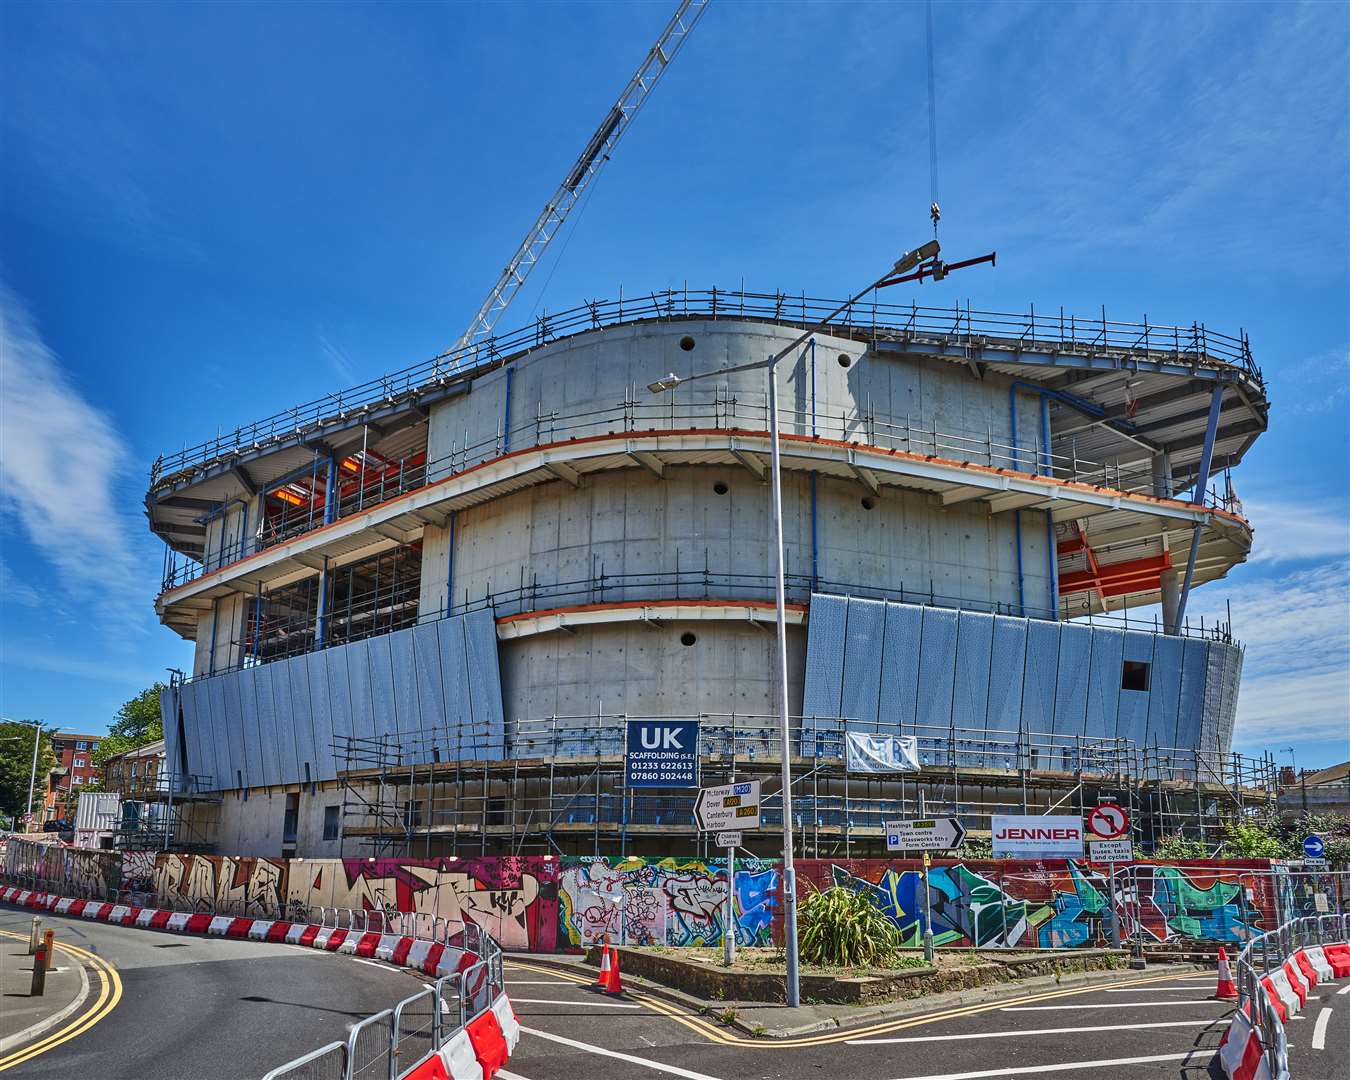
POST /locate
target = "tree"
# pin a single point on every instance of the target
(16, 764)
(138, 722)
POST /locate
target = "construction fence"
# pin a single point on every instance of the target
(562, 903)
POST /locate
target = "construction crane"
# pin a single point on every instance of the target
(578, 178)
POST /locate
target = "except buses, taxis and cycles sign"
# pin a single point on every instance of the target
(662, 754)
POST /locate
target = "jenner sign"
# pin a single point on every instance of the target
(1043, 837)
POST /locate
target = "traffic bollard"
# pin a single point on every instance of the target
(34, 935)
(39, 983)
(49, 946)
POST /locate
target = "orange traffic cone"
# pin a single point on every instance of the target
(613, 985)
(601, 983)
(1227, 989)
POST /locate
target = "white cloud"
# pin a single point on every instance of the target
(1298, 530)
(1296, 675)
(15, 590)
(337, 359)
(59, 461)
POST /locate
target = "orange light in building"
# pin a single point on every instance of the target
(289, 497)
(351, 465)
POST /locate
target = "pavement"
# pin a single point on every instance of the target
(23, 1016)
(1145, 1024)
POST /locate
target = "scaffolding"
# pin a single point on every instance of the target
(560, 788)
(164, 812)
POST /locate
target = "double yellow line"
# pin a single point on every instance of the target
(721, 1035)
(109, 994)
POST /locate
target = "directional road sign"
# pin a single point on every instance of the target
(731, 806)
(729, 839)
(1108, 821)
(1314, 847)
(931, 834)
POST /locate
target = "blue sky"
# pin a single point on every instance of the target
(211, 211)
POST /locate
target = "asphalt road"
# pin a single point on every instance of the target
(1153, 1028)
(196, 1008)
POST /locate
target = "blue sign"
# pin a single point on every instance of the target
(662, 754)
(1314, 847)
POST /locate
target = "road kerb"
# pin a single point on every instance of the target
(31, 1032)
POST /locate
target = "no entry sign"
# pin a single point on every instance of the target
(1108, 821)
(662, 753)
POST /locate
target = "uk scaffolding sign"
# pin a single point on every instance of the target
(662, 754)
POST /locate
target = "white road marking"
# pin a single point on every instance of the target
(1040, 1031)
(504, 1074)
(572, 1001)
(372, 963)
(1066, 1066)
(658, 1066)
(1112, 1005)
(540, 982)
(1343, 990)
(1151, 989)
(1319, 1039)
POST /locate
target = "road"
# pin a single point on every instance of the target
(208, 1008)
(1146, 1027)
(220, 1009)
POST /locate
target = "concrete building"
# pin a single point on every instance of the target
(424, 608)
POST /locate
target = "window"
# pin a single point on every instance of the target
(1134, 675)
(412, 814)
(332, 826)
(79, 763)
(82, 744)
(133, 770)
(290, 820)
(77, 779)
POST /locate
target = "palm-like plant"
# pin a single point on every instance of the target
(841, 927)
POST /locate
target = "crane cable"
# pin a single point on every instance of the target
(934, 211)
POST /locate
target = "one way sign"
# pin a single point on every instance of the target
(662, 754)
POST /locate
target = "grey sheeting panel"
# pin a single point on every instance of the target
(1103, 688)
(321, 713)
(456, 741)
(937, 673)
(485, 682)
(1164, 691)
(860, 688)
(339, 701)
(384, 716)
(1232, 676)
(283, 719)
(229, 750)
(821, 694)
(407, 709)
(358, 681)
(1132, 715)
(1191, 704)
(1007, 665)
(1071, 684)
(200, 739)
(970, 691)
(272, 750)
(1041, 675)
(899, 699)
(306, 753)
(241, 701)
(430, 688)
(168, 720)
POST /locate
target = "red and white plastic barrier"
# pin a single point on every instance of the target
(475, 1053)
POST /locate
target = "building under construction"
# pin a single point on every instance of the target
(424, 608)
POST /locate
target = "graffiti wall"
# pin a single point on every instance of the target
(513, 898)
(642, 901)
(1057, 903)
(233, 886)
(83, 872)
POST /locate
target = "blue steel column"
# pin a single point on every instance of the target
(450, 560)
(1017, 514)
(815, 539)
(1052, 553)
(330, 500)
(1198, 496)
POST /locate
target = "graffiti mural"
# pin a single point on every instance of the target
(243, 886)
(138, 876)
(644, 901)
(1059, 904)
(513, 898)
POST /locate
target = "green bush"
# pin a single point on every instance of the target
(843, 928)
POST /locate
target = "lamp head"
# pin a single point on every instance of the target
(910, 259)
(662, 385)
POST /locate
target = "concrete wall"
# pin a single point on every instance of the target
(645, 670)
(217, 632)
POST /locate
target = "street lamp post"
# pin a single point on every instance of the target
(906, 262)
